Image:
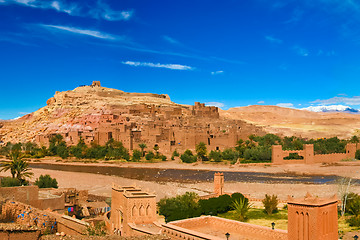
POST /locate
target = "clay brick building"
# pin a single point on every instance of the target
(133, 212)
(310, 157)
(170, 128)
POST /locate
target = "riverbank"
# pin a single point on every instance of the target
(101, 184)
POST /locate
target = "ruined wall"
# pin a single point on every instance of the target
(19, 233)
(30, 195)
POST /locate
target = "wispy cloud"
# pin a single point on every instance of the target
(301, 51)
(217, 72)
(215, 104)
(286, 105)
(336, 100)
(91, 33)
(261, 102)
(98, 11)
(296, 16)
(273, 40)
(171, 40)
(158, 65)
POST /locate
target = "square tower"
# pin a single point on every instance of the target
(218, 184)
(131, 206)
(312, 218)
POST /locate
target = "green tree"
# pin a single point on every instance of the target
(215, 155)
(201, 151)
(179, 207)
(79, 151)
(136, 155)
(45, 181)
(354, 139)
(149, 156)
(156, 149)
(142, 146)
(188, 157)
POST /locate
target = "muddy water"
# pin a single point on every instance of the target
(191, 176)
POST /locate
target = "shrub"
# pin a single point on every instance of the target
(45, 181)
(188, 157)
(163, 158)
(354, 221)
(270, 203)
(258, 154)
(136, 155)
(216, 156)
(179, 207)
(357, 154)
(241, 207)
(10, 182)
(201, 151)
(175, 154)
(353, 204)
(150, 155)
(230, 155)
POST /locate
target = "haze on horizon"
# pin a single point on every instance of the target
(287, 53)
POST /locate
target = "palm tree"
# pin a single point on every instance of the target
(22, 170)
(18, 167)
(241, 207)
(142, 146)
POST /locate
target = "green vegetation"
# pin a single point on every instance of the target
(201, 151)
(98, 229)
(188, 157)
(241, 207)
(357, 154)
(270, 204)
(136, 155)
(45, 181)
(259, 217)
(179, 207)
(10, 182)
(189, 205)
(255, 149)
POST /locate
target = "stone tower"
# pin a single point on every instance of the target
(218, 184)
(130, 206)
(312, 218)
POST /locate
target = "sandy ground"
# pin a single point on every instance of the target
(101, 184)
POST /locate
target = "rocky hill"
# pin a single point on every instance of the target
(288, 121)
(97, 114)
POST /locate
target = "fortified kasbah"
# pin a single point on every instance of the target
(97, 114)
(179, 120)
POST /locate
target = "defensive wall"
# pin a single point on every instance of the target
(309, 157)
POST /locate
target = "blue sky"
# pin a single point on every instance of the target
(229, 53)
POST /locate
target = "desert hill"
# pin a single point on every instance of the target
(288, 121)
(97, 114)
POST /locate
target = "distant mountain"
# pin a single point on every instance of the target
(291, 121)
(332, 108)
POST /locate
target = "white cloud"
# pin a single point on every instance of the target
(101, 11)
(215, 104)
(273, 40)
(158, 65)
(92, 33)
(285, 105)
(295, 17)
(336, 100)
(301, 51)
(217, 72)
(261, 102)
